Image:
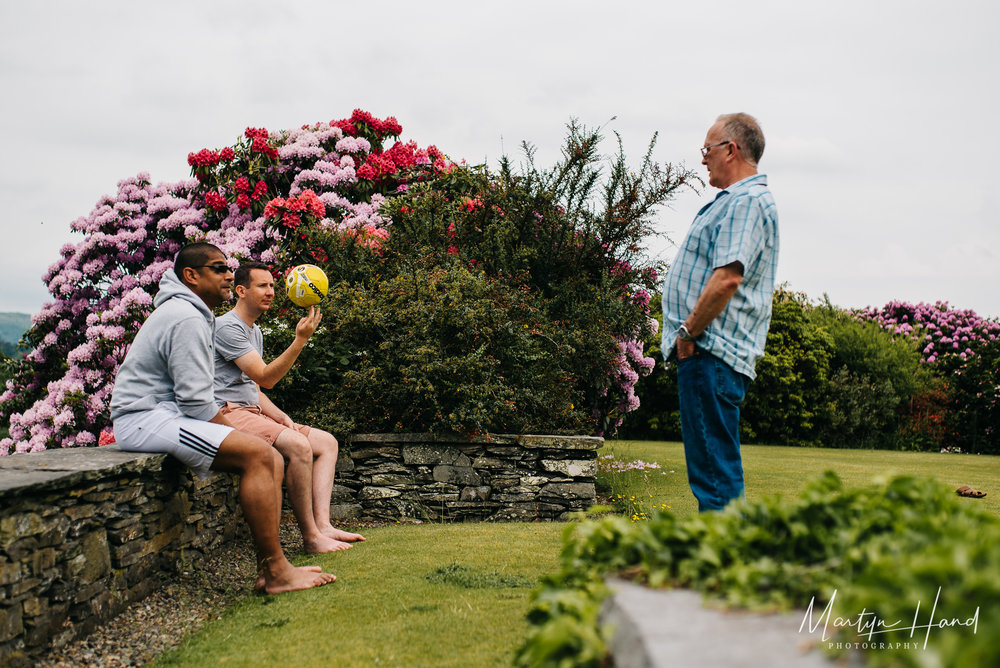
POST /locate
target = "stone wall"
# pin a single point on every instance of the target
(85, 532)
(496, 477)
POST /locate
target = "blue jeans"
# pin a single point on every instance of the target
(710, 396)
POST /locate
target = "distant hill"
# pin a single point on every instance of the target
(12, 328)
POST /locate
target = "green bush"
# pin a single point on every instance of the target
(882, 549)
(789, 396)
(496, 302)
(874, 378)
(440, 349)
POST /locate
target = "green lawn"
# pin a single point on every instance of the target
(771, 469)
(456, 595)
(411, 595)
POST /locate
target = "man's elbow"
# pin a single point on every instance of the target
(267, 383)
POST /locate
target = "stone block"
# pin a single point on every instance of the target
(484, 462)
(481, 493)
(387, 452)
(79, 512)
(370, 493)
(533, 480)
(345, 511)
(457, 475)
(515, 513)
(572, 468)
(592, 443)
(11, 623)
(391, 479)
(570, 490)
(17, 527)
(433, 455)
(342, 493)
(9, 572)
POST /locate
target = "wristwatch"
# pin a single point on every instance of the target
(684, 335)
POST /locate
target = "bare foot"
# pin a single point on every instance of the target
(337, 534)
(294, 579)
(261, 581)
(322, 543)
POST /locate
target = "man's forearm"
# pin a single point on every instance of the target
(714, 296)
(280, 365)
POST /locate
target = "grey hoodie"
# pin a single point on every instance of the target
(172, 357)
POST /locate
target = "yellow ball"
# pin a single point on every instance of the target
(307, 285)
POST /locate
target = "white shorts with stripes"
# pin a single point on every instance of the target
(166, 430)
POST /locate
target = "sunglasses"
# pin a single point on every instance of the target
(217, 268)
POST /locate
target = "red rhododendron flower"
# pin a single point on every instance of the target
(291, 220)
(259, 190)
(227, 154)
(367, 172)
(452, 250)
(203, 158)
(273, 208)
(215, 200)
(346, 127)
(243, 201)
(242, 185)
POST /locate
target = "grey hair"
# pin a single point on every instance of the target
(745, 131)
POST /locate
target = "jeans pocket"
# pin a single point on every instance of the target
(730, 385)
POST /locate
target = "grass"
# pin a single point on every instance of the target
(457, 594)
(411, 595)
(771, 469)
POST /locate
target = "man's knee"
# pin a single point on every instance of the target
(293, 445)
(323, 442)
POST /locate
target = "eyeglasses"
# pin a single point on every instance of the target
(217, 268)
(706, 149)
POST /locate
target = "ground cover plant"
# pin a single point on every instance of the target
(463, 300)
(879, 548)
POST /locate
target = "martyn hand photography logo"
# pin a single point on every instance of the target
(872, 629)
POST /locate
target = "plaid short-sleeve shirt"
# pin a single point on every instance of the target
(739, 225)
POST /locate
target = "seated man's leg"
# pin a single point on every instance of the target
(255, 462)
(325, 450)
(294, 446)
(710, 397)
(205, 446)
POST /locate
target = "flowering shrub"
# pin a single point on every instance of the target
(333, 194)
(102, 287)
(963, 350)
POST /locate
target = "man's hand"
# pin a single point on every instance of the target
(685, 349)
(307, 325)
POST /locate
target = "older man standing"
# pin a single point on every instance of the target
(717, 307)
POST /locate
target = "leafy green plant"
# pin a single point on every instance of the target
(884, 547)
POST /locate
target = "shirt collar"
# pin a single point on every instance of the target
(756, 179)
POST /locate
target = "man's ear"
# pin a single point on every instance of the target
(188, 279)
(240, 290)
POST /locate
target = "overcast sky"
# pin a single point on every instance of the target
(879, 116)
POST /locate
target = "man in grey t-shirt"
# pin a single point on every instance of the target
(240, 373)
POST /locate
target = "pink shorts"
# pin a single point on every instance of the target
(250, 420)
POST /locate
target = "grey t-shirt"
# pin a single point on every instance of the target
(233, 338)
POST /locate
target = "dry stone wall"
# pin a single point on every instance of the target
(85, 532)
(494, 477)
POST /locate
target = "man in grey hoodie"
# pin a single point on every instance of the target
(163, 401)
